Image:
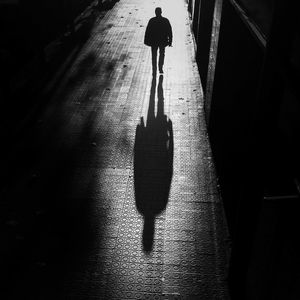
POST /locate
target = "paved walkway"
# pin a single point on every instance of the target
(116, 191)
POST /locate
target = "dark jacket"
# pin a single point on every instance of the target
(158, 32)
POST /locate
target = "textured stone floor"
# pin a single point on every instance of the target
(116, 191)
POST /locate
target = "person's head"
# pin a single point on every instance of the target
(158, 11)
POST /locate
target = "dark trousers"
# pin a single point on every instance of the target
(161, 57)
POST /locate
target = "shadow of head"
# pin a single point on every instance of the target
(153, 164)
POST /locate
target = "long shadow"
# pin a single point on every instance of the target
(153, 163)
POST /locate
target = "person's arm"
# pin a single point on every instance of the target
(146, 37)
(170, 34)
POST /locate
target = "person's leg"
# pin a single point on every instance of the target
(154, 58)
(161, 58)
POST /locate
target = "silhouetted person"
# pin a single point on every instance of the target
(158, 35)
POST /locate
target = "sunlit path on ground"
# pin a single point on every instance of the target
(101, 169)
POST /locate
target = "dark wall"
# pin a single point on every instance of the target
(260, 11)
(254, 133)
(234, 105)
(250, 69)
(203, 32)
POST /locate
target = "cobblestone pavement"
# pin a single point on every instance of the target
(117, 195)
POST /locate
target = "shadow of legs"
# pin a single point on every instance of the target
(148, 232)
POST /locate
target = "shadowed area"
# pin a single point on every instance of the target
(48, 221)
(153, 163)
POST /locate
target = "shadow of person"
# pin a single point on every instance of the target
(153, 163)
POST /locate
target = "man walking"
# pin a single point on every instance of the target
(158, 35)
